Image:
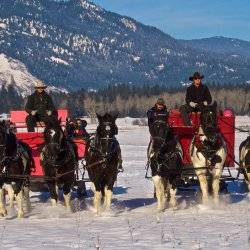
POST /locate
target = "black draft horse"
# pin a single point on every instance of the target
(16, 163)
(102, 160)
(59, 160)
(165, 158)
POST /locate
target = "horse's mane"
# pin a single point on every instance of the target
(11, 141)
(57, 127)
(106, 118)
(208, 120)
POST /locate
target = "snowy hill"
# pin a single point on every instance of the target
(81, 45)
(14, 73)
(223, 45)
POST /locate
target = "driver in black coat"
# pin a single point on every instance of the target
(158, 112)
(40, 108)
(197, 98)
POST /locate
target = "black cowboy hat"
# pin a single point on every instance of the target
(196, 75)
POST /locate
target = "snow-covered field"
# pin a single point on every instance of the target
(134, 222)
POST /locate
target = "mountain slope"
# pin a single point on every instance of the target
(227, 46)
(76, 44)
(14, 73)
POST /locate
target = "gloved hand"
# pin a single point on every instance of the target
(49, 112)
(205, 103)
(33, 112)
(193, 104)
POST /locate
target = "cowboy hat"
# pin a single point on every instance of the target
(40, 85)
(196, 75)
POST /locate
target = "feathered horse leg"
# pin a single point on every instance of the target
(160, 192)
(3, 211)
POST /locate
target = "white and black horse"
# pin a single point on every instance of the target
(16, 163)
(208, 153)
(59, 160)
(245, 160)
(102, 161)
(165, 157)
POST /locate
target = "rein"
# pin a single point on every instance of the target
(236, 128)
(63, 161)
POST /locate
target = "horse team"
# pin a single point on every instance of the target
(59, 161)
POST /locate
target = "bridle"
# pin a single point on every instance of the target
(58, 145)
(160, 138)
(164, 161)
(98, 148)
(208, 120)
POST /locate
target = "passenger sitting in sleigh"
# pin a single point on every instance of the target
(76, 128)
(158, 112)
(80, 128)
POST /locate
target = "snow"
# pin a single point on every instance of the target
(83, 43)
(129, 24)
(13, 69)
(136, 58)
(165, 51)
(200, 64)
(229, 69)
(185, 83)
(58, 60)
(127, 44)
(133, 222)
(3, 26)
(24, 81)
(90, 6)
(160, 67)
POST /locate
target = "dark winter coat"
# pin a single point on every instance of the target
(41, 102)
(155, 114)
(198, 94)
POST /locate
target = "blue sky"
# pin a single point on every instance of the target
(188, 19)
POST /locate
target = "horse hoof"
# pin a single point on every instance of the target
(3, 214)
(160, 209)
(173, 203)
(216, 201)
(20, 215)
(53, 202)
(69, 209)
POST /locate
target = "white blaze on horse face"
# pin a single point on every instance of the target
(108, 128)
(52, 133)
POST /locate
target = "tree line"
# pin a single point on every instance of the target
(130, 100)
